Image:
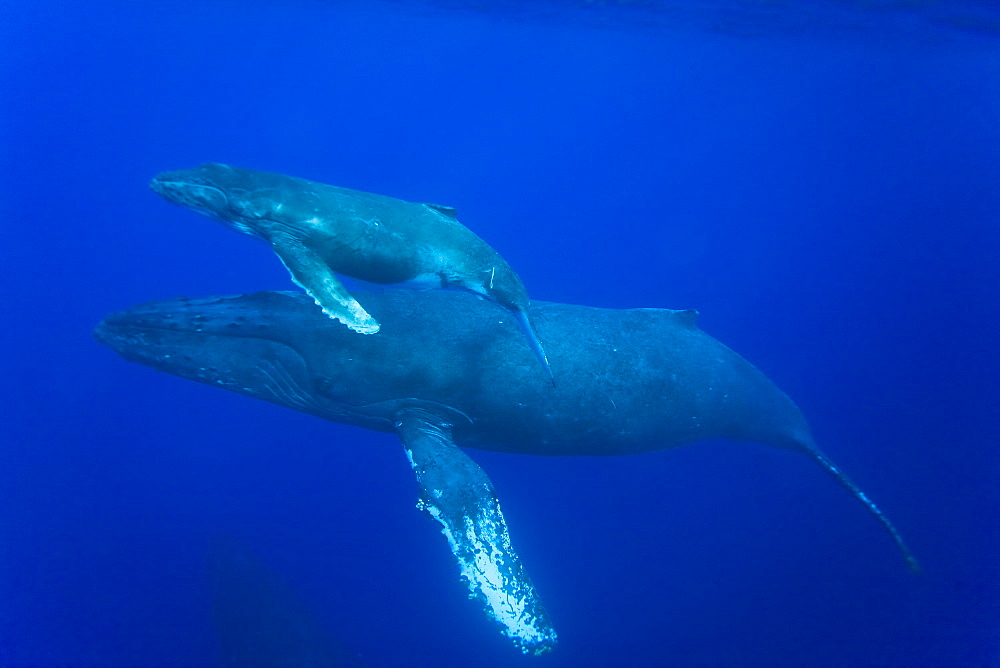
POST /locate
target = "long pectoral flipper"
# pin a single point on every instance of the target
(313, 275)
(455, 492)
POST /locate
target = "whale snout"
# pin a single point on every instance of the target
(124, 330)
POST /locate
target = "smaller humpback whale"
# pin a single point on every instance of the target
(318, 229)
(630, 381)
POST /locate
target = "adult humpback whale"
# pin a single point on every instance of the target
(318, 229)
(630, 381)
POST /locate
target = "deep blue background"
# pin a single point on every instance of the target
(829, 200)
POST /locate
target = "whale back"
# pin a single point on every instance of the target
(626, 380)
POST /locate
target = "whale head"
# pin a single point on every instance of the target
(243, 199)
(271, 345)
(203, 189)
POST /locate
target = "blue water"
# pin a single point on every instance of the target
(823, 184)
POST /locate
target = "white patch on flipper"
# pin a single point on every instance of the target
(362, 322)
(508, 601)
(456, 493)
(355, 317)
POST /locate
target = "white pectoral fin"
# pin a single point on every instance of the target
(458, 495)
(311, 274)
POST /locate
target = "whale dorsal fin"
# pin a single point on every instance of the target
(458, 495)
(449, 211)
(687, 317)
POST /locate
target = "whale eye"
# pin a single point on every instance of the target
(322, 384)
(330, 388)
(203, 197)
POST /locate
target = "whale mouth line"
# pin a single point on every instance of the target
(282, 374)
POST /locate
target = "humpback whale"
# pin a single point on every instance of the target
(318, 229)
(630, 381)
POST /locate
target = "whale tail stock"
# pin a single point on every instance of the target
(536, 346)
(805, 444)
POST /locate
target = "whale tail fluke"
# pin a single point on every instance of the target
(807, 445)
